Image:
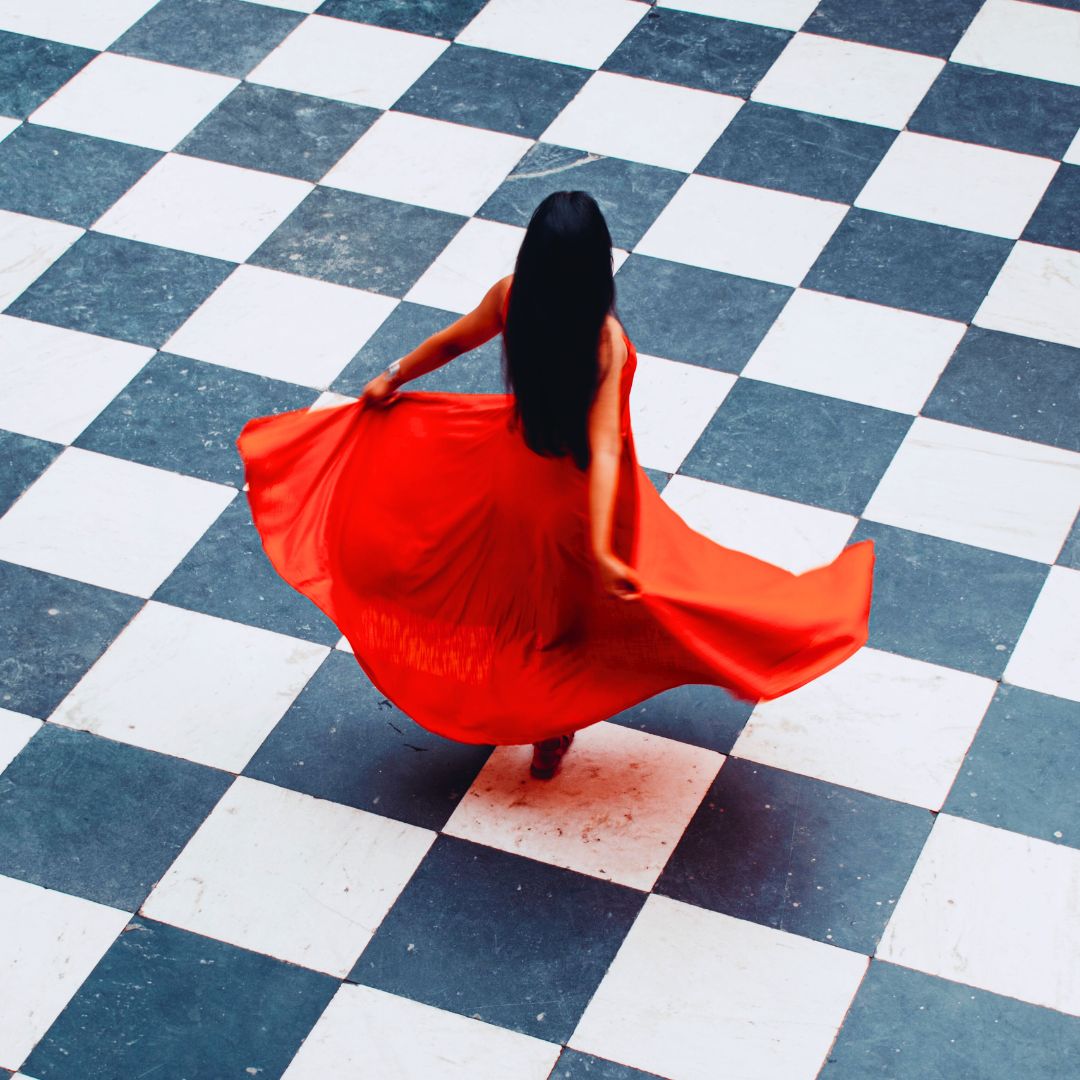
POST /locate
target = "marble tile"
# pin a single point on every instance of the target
(909, 264)
(917, 26)
(1072, 155)
(121, 289)
(170, 679)
(948, 603)
(879, 723)
(994, 910)
(95, 818)
(1057, 219)
(432, 163)
(480, 254)
(1025, 39)
(909, 1026)
(366, 1032)
(958, 184)
(764, 1002)
(30, 245)
(537, 29)
(785, 14)
(109, 522)
(797, 854)
(1047, 656)
(485, 948)
(343, 741)
(801, 152)
(244, 1014)
(738, 229)
(1019, 386)
(22, 460)
(7, 125)
(52, 634)
(63, 176)
(53, 941)
(654, 123)
(994, 108)
(795, 445)
(294, 877)
(1070, 551)
(73, 22)
(441, 20)
(134, 101)
(867, 353)
(1035, 295)
(694, 315)
(225, 36)
(355, 240)
(615, 810)
(786, 533)
(347, 61)
(227, 574)
(279, 131)
(32, 69)
(681, 47)
(307, 6)
(457, 87)
(204, 207)
(16, 730)
(629, 194)
(281, 326)
(574, 1065)
(980, 488)
(670, 405)
(1019, 772)
(848, 80)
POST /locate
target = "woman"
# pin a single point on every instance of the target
(501, 565)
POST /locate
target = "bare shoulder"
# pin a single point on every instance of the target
(612, 346)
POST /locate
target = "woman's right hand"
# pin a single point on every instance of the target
(618, 578)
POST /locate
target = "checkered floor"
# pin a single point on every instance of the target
(848, 242)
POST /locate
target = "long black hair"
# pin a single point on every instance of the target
(562, 292)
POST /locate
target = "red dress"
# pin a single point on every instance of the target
(457, 563)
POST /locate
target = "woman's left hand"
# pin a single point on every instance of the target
(378, 392)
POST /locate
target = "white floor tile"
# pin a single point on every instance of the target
(191, 685)
(880, 723)
(1072, 155)
(413, 159)
(671, 404)
(691, 992)
(1035, 295)
(56, 381)
(654, 123)
(30, 246)
(1047, 656)
(739, 229)
(7, 125)
(281, 325)
(785, 14)
(793, 535)
(369, 1033)
(109, 522)
(992, 909)
(307, 6)
(348, 61)
(134, 101)
(860, 352)
(958, 184)
(299, 878)
(848, 80)
(1037, 40)
(980, 488)
(616, 809)
(328, 399)
(205, 207)
(75, 22)
(50, 943)
(16, 730)
(538, 28)
(480, 254)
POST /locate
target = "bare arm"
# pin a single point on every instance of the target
(471, 330)
(605, 443)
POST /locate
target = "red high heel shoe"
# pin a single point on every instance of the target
(548, 754)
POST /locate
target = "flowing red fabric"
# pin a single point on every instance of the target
(456, 561)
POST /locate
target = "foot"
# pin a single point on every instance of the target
(548, 754)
